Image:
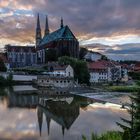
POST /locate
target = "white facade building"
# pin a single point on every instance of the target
(63, 70)
(59, 76)
(106, 71)
(93, 56)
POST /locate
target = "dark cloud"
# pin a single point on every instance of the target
(102, 17)
(86, 18)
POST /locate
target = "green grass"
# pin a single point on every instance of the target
(107, 136)
(134, 88)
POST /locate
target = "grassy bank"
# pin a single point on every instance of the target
(134, 88)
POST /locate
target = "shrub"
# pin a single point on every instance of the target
(112, 135)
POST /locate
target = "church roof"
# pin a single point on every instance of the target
(62, 33)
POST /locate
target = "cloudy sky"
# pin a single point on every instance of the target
(112, 23)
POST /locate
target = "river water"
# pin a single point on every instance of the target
(27, 113)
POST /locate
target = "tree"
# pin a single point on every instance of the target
(51, 55)
(80, 68)
(2, 66)
(103, 57)
(132, 126)
(82, 53)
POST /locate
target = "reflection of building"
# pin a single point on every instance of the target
(64, 111)
(55, 81)
(22, 100)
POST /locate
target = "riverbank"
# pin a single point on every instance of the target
(133, 88)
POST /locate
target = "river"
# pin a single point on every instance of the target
(27, 113)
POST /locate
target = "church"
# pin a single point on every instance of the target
(62, 41)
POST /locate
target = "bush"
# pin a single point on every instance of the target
(2, 81)
(2, 66)
(6, 81)
(134, 75)
(124, 88)
(107, 136)
(138, 83)
(80, 68)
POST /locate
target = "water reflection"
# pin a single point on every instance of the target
(64, 111)
(29, 114)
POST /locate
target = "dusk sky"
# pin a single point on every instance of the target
(112, 23)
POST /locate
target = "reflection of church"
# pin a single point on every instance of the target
(64, 111)
(26, 99)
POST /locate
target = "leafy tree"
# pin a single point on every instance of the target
(103, 57)
(10, 79)
(51, 55)
(2, 66)
(132, 127)
(82, 53)
(80, 68)
(2, 80)
(134, 75)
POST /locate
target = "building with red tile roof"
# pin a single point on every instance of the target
(105, 71)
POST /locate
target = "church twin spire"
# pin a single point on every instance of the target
(47, 31)
(38, 32)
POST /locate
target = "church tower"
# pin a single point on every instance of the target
(47, 31)
(62, 25)
(38, 32)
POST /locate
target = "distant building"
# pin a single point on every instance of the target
(137, 67)
(124, 72)
(63, 70)
(21, 56)
(92, 56)
(106, 71)
(58, 76)
(62, 41)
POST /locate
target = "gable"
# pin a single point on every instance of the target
(68, 33)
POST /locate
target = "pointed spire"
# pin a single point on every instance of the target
(40, 119)
(38, 32)
(62, 23)
(63, 130)
(38, 22)
(48, 120)
(47, 26)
